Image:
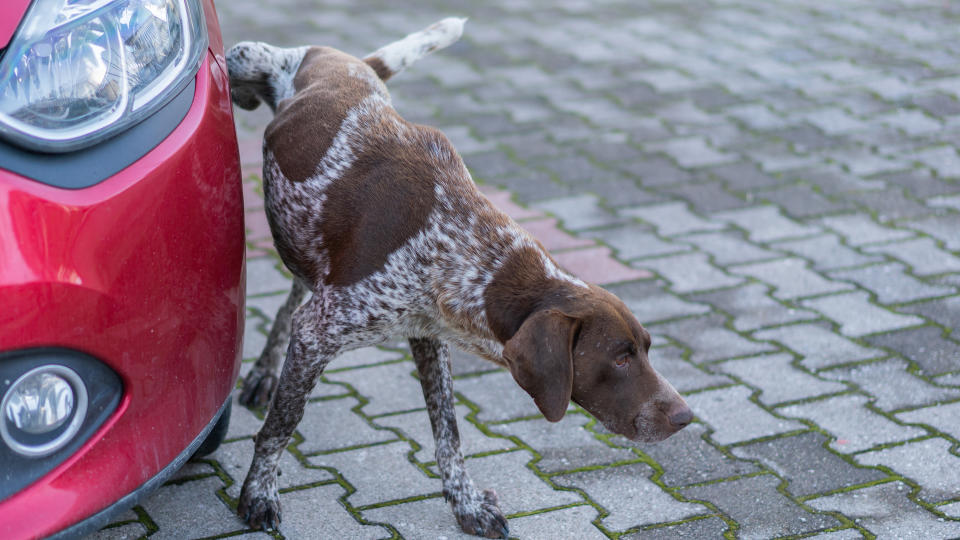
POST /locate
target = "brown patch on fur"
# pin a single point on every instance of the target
(305, 124)
(377, 64)
(519, 287)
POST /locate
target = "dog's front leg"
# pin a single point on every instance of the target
(311, 349)
(476, 512)
(259, 384)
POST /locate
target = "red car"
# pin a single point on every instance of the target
(121, 254)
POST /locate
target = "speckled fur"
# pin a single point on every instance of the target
(431, 287)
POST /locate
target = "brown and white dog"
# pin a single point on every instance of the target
(380, 220)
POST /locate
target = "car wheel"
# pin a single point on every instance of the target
(216, 435)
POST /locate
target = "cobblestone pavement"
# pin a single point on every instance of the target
(772, 186)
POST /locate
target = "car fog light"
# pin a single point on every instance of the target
(42, 410)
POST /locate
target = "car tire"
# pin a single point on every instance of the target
(216, 435)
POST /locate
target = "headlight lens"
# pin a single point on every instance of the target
(43, 410)
(78, 71)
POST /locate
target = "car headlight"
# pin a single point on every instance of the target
(79, 71)
(43, 410)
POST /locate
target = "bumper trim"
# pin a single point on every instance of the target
(103, 517)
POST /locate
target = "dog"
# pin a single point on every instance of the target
(381, 222)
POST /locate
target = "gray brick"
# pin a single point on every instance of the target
(920, 183)
(130, 531)
(498, 395)
(800, 201)
(943, 201)
(885, 511)
(364, 356)
(864, 162)
(779, 157)
(743, 176)
(891, 284)
(756, 116)
(564, 445)
(416, 425)
(687, 458)
(944, 228)
(777, 379)
(709, 340)
(331, 424)
(922, 254)
(650, 303)
(580, 212)
(938, 104)
(575, 522)
(711, 527)
(683, 375)
(951, 510)
(943, 160)
(253, 338)
(929, 463)
(853, 426)
(940, 417)
(656, 171)
(389, 387)
(317, 513)
(630, 497)
(234, 459)
(826, 252)
(766, 513)
(671, 219)
(806, 466)
(705, 196)
(729, 247)
(764, 223)
(858, 230)
(379, 473)
(691, 152)
(925, 346)
(734, 417)
(518, 488)
(174, 510)
(892, 385)
(631, 242)
(790, 278)
(752, 308)
(857, 316)
(835, 121)
(912, 122)
(831, 180)
(689, 272)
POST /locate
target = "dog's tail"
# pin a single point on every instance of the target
(393, 58)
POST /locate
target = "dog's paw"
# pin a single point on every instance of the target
(258, 388)
(259, 511)
(479, 514)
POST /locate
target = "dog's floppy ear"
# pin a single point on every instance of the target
(540, 357)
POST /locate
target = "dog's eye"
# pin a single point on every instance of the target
(623, 360)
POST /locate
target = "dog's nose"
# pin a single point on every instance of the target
(680, 416)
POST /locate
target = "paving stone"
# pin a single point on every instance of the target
(925, 346)
(498, 396)
(671, 219)
(856, 428)
(734, 417)
(253, 339)
(416, 425)
(743, 176)
(805, 138)
(633, 241)
(622, 191)
(832, 181)
(267, 305)
(752, 308)
(944, 201)
(777, 379)
(912, 122)
(756, 116)
(764, 223)
(835, 121)
(779, 157)
(944, 228)
(891, 284)
(857, 316)
(580, 212)
(885, 511)
(922, 254)
(174, 511)
(709, 340)
(689, 272)
(691, 152)
(630, 497)
(766, 513)
(683, 375)
(818, 346)
(858, 230)
(331, 424)
(940, 417)
(943, 160)
(575, 522)
(362, 357)
(379, 473)
(826, 252)
(705, 196)
(711, 527)
(951, 510)
(790, 278)
(920, 183)
(389, 387)
(929, 463)
(657, 171)
(729, 247)
(564, 445)
(806, 465)
(235, 457)
(130, 531)
(687, 458)
(317, 513)
(892, 385)
(649, 302)
(597, 265)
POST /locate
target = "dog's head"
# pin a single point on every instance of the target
(591, 349)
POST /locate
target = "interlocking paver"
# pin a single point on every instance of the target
(649, 302)
(928, 463)
(683, 375)
(633, 241)
(892, 385)
(580, 212)
(711, 527)
(416, 425)
(709, 340)
(405, 393)
(687, 458)
(729, 247)
(857, 428)
(777, 379)
(826, 252)
(922, 254)
(752, 308)
(689, 272)
(859, 230)
(790, 278)
(671, 219)
(891, 284)
(691, 152)
(886, 511)
(857, 316)
(943, 228)
(734, 417)
(941, 417)
(764, 223)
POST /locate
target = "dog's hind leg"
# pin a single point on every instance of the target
(259, 384)
(476, 512)
(313, 343)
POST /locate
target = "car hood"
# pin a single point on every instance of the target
(11, 11)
